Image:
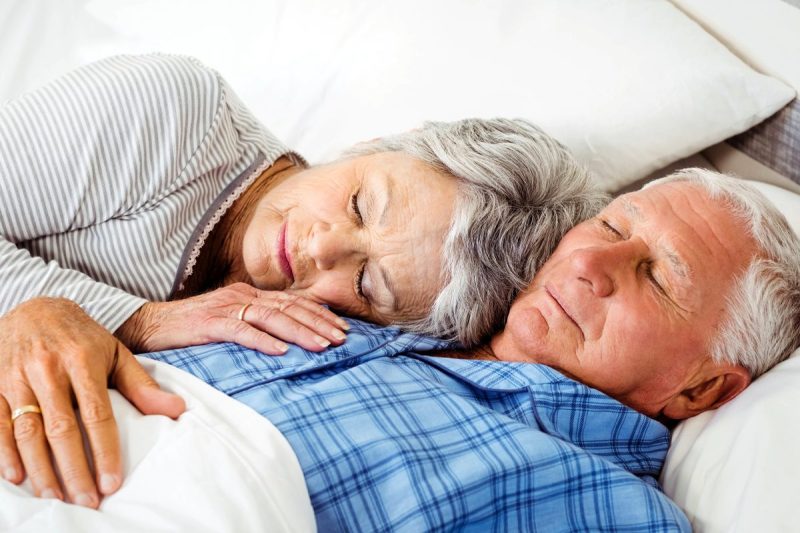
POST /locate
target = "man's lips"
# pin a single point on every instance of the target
(284, 257)
(560, 302)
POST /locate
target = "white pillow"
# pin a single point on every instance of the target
(629, 86)
(737, 468)
(787, 202)
(763, 33)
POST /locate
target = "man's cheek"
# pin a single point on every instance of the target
(634, 339)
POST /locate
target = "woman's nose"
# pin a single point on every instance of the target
(605, 267)
(329, 244)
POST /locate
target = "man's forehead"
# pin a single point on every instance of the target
(634, 204)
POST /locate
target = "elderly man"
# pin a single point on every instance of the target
(664, 305)
(670, 301)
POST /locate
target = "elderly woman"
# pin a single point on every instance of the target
(141, 198)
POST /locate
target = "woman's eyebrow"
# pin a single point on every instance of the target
(387, 186)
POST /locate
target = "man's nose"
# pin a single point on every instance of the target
(606, 266)
(329, 244)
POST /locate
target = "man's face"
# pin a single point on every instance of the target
(630, 299)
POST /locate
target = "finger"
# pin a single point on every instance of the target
(10, 462)
(319, 310)
(308, 315)
(89, 383)
(286, 328)
(141, 390)
(319, 324)
(64, 436)
(240, 332)
(32, 446)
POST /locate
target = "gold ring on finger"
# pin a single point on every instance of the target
(25, 409)
(243, 310)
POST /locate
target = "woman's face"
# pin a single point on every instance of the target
(363, 235)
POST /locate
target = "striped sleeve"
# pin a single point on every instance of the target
(105, 143)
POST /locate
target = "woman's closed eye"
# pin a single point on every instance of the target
(359, 281)
(355, 208)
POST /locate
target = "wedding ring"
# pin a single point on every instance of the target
(243, 310)
(25, 409)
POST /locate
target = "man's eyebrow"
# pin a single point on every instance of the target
(389, 284)
(679, 266)
(631, 209)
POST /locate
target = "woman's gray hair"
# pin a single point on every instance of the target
(519, 192)
(761, 325)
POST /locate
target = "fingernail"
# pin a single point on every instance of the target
(322, 342)
(107, 483)
(10, 473)
(281, 346)
(338, 335)
(49, 493)
(343, 324)
(86, 500)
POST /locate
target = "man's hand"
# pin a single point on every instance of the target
(238, 313)
(51, 355)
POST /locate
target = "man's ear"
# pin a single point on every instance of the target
(718, 384)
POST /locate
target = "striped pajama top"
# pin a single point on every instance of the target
(112, 176)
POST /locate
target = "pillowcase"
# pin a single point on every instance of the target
(629, 86)
(787, 202)
(763, 33)
(736, 468)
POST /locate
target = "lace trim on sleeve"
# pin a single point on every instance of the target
(216, 217)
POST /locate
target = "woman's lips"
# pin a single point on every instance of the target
(284, 258)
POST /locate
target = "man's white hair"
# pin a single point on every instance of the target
(761, 325)
(519, 192)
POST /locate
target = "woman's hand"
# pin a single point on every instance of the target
(51, 355)
(238, 313)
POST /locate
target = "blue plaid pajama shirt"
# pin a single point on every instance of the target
(390, 439)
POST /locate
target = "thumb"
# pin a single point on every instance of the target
(142, 391)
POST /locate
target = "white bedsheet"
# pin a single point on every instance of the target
(220, 467)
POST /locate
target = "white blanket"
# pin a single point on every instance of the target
(220, 467)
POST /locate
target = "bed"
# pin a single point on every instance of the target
(634, 88)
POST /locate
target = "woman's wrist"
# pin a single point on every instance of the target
(139, 329)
